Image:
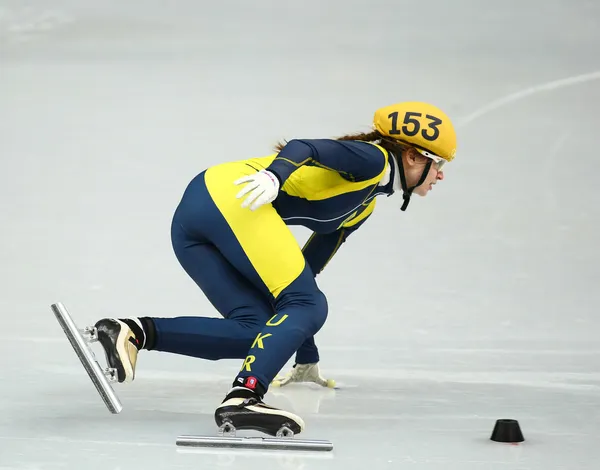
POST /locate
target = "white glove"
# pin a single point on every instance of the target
(304, 373)
(263, 187)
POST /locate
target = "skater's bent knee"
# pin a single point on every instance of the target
(312, 306)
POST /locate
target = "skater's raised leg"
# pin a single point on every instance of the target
(244, 308)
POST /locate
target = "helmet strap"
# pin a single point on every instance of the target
(406, 191)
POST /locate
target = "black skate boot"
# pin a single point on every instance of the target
(242, 408)
(121, 345)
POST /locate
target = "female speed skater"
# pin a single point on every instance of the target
(230, 234)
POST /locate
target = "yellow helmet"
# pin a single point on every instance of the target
(421, 125)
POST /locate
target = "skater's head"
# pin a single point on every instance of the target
(424, 139)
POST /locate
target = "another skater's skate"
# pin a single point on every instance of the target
(121, 340)
(244, 409)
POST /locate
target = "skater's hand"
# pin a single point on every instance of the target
(304, 373)
(262, 186)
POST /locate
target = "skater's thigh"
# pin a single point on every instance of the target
(258, 243)
(226, 288)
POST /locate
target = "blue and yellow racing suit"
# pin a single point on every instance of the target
(250, 266)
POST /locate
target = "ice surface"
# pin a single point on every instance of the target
(478, 303)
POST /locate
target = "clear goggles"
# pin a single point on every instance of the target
(438, 161)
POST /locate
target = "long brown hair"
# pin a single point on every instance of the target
(374, 137)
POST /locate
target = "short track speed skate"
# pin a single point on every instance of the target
(285, 440)
(240, 412)
(80, 341)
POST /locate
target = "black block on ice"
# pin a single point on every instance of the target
(507, 430)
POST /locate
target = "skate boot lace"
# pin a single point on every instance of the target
(249, 401)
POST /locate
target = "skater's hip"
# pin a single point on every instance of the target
(210, 199)
(258, 243)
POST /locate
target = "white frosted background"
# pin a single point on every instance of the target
(480, 299)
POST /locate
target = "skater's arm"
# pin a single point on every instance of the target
(318, 251)
(353, 160)
(321, 247)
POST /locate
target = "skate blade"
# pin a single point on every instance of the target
(97, 375)
(272, 443)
